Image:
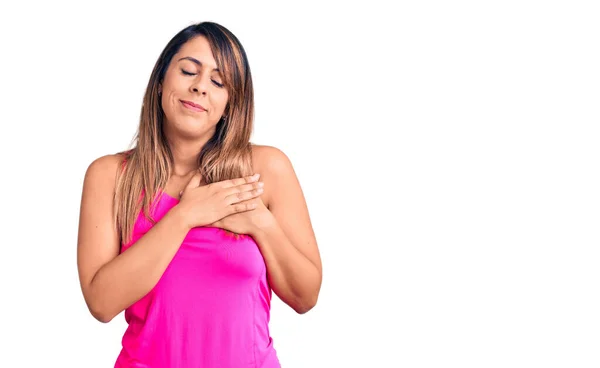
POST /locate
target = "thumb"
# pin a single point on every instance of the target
(193, 183)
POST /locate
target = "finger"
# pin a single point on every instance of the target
(194, 181)
(239, 181)
(241, 207)
(239, 196)
(243, 188)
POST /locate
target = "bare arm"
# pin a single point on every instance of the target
(288, 245)
(111, 281)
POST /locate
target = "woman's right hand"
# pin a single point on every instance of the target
(203, 205)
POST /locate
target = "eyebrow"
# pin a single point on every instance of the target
(196, 61)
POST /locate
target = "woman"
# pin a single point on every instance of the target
(156, 222)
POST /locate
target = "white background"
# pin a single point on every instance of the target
(448, 152)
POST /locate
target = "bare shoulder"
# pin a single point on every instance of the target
(270, 159)
(103, 170)
(275, 169)
(110, 161)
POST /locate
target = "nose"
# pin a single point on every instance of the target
(198, 89)
(200, 85)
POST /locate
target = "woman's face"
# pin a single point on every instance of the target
(193, 96)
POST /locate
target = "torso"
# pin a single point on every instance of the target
(210, 308)
(211, 278)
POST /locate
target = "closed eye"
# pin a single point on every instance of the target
(188, 73)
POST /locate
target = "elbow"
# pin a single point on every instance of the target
(97, 308)
(305, 305)
(102, 317)
(100, 314)
(302, 310)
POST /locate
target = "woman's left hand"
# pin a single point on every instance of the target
(247, 222)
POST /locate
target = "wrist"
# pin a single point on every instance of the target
(178, 213)
(265, 228)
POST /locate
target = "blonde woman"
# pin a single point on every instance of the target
(191, 230)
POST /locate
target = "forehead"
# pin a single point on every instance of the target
(199, 49)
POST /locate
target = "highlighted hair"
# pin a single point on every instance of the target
(226, 155)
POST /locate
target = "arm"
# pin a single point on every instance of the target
(111, 281)
(288, 244)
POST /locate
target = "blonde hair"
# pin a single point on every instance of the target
(226, 155)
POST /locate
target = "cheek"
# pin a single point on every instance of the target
(170, 104)
(222, 101)
(172, 98)
(166, 100)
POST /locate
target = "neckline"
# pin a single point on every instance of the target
(165, 194)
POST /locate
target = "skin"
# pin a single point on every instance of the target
(280, 224)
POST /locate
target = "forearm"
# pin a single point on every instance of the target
(293, 277)
(133, 273)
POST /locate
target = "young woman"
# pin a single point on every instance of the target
(181, 234)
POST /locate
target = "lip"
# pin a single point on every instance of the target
(193, 106)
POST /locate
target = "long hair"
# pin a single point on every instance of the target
(226, 155)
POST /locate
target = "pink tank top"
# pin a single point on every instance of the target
(210, 309)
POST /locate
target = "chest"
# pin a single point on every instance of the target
(211, 255)
(211, 272)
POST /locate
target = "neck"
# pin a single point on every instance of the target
(185, 154)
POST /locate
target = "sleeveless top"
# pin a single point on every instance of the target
(210, 308)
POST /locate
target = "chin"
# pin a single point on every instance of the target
(196, 130)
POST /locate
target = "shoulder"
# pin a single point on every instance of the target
(270, 160)
(103, 170)
(106, 163)
(274, 167)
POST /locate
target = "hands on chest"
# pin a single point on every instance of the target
(234, 205)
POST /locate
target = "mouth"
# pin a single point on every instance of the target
(192, 106)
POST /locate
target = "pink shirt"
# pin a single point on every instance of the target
(210, 308)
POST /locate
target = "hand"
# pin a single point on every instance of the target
(203, 205)
(248, 222)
